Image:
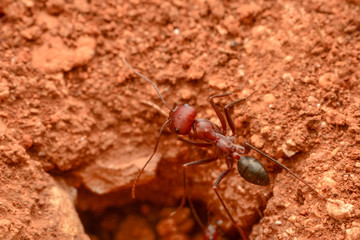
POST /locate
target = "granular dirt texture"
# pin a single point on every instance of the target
(76, 125)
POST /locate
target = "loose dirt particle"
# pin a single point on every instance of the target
(353, 233)
(55, 6)
(287, 152)
(31, 33)
(327, 182)
(334, 117)
(257, 140)
(260, 31)
(195, 72)
(248, 12)
(82, 5)
(27, 141)
(185, 93)
(232, 25)
(4, 91)
(287, 77)
(327, 80)
(216, 8)
(269, 98)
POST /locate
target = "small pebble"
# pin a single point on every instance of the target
(217, 8)
(353, 233)
(55, 6)
(335, 151)
(4, 91)
(290, 143)
(327, 80)
(288, 59)
(287, 152)
(27, 141)
(185, 93)
(195, 72)
(292, 218)
(240, 73)
(339, 210)
(278, 222)
(287, 77)
(265, 130)
(269, 98)
(248, 12)
(260, 31)
(257, 140)
(290, 231)
(232, 25)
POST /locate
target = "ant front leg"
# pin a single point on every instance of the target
(217, 111)
(227, 114)
(226, 109)
(217, 182)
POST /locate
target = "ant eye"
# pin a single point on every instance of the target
(186, 105)
(176, 130)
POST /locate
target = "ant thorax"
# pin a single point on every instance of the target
(206, 130)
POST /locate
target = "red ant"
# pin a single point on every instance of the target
(182, 120)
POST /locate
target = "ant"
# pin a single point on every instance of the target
(182, 120)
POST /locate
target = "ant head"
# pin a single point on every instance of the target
(181, 119)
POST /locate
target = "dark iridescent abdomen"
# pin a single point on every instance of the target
(253, 171)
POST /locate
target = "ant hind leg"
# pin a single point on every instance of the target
(217, 182)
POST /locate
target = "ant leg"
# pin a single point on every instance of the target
(217, 182)
(185, 195)
(217, 111)
(287, 169)
(147, 162)
(227, 114)
(198, 144)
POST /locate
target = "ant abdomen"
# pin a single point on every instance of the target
(253, 171)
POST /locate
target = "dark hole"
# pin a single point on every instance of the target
(143, 221)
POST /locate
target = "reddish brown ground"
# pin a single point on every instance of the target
(76, 125)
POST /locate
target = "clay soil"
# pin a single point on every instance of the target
(76, 125)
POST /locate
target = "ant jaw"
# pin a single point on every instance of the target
(239, 149)
(173, 109)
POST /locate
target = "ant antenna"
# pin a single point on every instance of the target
(147, 79)
(148, 161)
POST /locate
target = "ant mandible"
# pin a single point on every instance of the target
(182, 120)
